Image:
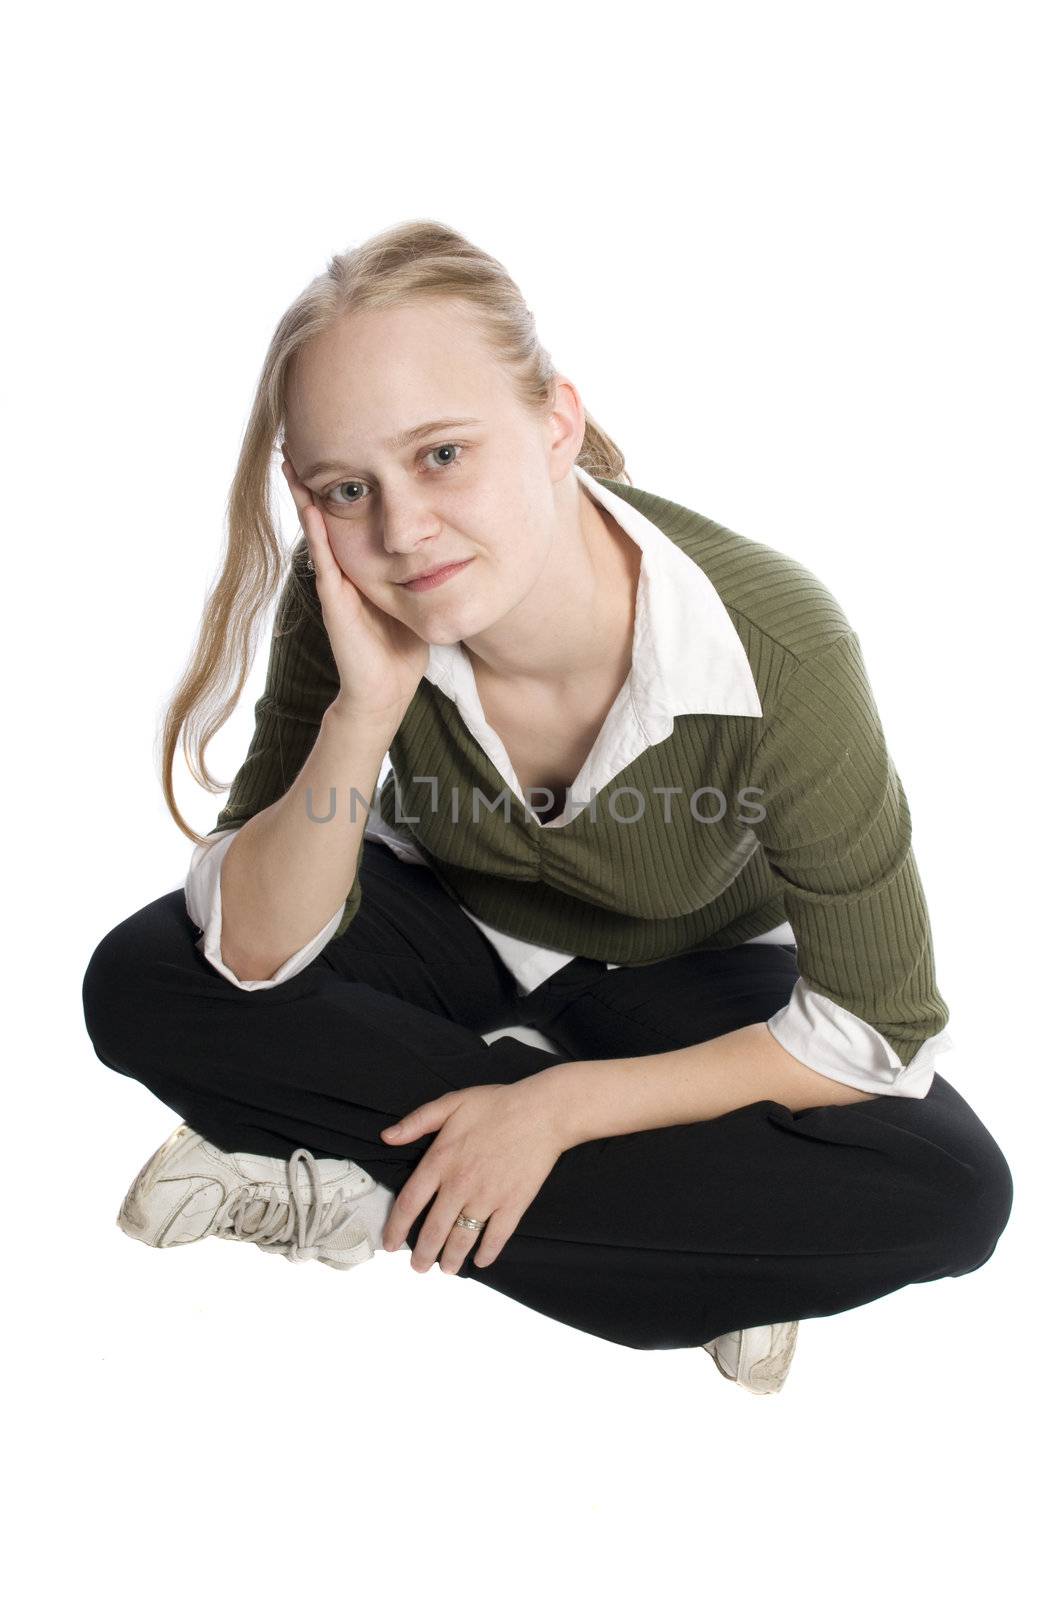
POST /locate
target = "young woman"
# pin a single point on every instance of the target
(640, 801)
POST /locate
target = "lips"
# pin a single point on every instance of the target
(430, 572)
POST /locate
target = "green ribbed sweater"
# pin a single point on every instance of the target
(821, 839)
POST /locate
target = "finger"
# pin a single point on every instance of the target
(404, 1129)
(460, 1241)
(424, 1119)
(499, 1231)
(327, 569)
(302, 496)
(436, 1231)
(300, 493)
(315, 530)
(410, 1201)
(310, 517)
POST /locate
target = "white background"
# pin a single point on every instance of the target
(802, 263)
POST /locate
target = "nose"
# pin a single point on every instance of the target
(407, 523)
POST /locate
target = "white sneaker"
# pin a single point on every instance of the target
(757, 1359)
(190, 1189)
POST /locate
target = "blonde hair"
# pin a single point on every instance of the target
(411, 260)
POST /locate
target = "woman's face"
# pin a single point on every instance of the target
(476, 487)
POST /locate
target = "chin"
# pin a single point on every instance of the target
(451, 624)
(441, 631)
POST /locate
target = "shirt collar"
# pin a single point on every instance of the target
(686, 655)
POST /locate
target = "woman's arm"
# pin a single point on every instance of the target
(837, 836)
(203, 904)
(285, 874)
(598, 1099)
(865, 1017)
(273, 902)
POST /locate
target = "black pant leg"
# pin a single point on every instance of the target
(668, 1236)
(386, 1017)
(655, 1240)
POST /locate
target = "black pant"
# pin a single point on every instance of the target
(658, 1239)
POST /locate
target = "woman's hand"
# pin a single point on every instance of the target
(497, 1143)
(380, 660)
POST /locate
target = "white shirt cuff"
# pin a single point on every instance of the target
(203, 902)
(830, 1039)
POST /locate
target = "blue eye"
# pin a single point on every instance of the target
(354, 483)
(436, 447)
(349, 485)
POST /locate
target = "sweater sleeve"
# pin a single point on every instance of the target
(836, 833)
(301, 682)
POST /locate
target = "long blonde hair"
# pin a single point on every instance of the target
(413, 259)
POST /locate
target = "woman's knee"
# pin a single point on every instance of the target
(987, 1209)
(121, 979)
(972, 1209)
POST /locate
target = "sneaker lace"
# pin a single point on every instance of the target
(287, 1223)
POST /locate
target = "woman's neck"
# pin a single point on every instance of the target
(585, 626)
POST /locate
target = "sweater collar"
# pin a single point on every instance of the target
(686, 654)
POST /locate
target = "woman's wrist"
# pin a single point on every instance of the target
(558, 1090)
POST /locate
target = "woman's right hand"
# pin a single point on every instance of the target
(380, 660)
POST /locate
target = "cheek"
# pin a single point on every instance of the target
(365, 574)
(348, 563)
(348, 550)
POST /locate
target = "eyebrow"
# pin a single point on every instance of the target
(408, 436)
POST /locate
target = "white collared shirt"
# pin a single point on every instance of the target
(686, 658)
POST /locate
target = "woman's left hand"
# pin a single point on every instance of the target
(497, 1143)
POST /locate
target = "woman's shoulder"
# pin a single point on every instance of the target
(776, 603)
